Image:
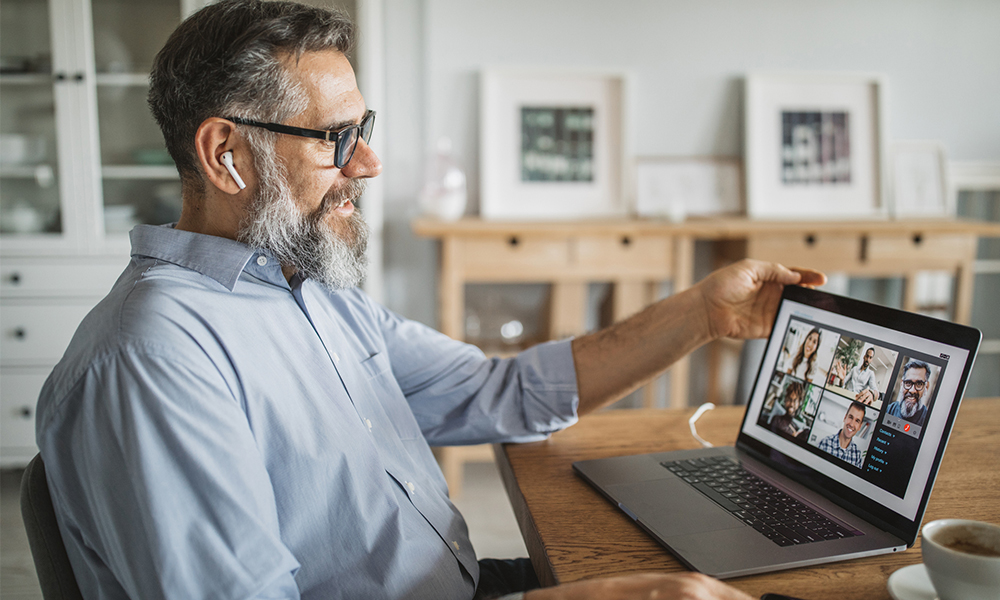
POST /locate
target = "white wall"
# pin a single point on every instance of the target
(940, 60)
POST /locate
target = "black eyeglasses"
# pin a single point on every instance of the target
(345, 140)
(914, 383)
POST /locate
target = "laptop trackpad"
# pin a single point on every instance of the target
(671, 507)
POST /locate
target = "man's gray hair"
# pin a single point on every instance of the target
(230, 60)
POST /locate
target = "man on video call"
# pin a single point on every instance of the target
(841, 444)
(916, 375)
(236, 419)
(861, 379)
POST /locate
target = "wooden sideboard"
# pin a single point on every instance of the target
(635, 256)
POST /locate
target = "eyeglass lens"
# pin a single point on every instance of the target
(348, 141)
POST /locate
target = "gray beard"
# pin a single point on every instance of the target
(307, 242)
(907, 410)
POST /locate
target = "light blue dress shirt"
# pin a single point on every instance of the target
(216, 432)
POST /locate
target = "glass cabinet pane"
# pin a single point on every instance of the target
(129, 33)
(29, 190)
(139, 180)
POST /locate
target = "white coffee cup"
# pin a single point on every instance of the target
(962, 558)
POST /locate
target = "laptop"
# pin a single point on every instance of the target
(844, 430)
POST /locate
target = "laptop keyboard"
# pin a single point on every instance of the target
(781, 518)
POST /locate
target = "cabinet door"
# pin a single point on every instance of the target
(32, 209)
(139, 181)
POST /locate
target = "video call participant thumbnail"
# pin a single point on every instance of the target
(785, 424)
(914, 384)
(841, 444)
(861, 378)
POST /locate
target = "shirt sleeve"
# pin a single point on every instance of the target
(459, 396)
(154, 471)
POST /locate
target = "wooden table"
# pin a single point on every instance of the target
(573, 533)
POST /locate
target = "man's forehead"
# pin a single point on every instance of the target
(328, 80)
(918, 371)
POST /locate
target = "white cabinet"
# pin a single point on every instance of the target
(81, 162)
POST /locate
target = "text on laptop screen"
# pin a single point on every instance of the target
(860, 403)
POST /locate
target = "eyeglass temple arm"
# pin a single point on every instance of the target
(275, 127)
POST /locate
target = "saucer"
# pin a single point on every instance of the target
(911, 583)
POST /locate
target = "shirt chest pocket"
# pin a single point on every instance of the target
(386, 397)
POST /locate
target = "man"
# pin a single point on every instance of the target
(841, 444)
(908, 405)
(861, 379)
(785, 424)
(237, 420)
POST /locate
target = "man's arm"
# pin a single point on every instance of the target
(738, 301)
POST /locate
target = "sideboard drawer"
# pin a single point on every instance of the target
(624, 257)
(937, 249)
(23, 278)
(514, 257)
(38, 333)
(824, 251)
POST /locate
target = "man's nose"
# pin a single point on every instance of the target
(364, 163)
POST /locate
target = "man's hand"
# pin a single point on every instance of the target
(646, 586)
(865, 396)
(840, 369)
(741, 299)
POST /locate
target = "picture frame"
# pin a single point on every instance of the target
(552, 144)
(919, 180)
(814, 146)
(681, 187)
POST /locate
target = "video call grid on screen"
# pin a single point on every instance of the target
(901, 488)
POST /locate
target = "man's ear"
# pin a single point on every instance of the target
(214, 138)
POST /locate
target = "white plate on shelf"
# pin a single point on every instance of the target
(911, 583)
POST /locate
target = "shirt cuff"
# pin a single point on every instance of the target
(548, 377)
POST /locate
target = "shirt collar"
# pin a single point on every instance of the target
(220, 258)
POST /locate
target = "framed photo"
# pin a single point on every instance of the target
(552, 145)
(677, 188)
(918, 181)
(814, 146)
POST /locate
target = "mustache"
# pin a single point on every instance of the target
(352, 190)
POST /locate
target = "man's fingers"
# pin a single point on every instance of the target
(810, 277)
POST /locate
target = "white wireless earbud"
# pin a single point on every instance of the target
(227, 159)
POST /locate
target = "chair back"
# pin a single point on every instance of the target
(55, 574)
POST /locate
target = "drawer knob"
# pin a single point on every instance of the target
(26, 412)
(20, 333)
(514, 240)
(626, 240)
(810, 240)
(15, 278)
(917, 239)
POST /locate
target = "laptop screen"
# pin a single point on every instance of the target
(862, 395)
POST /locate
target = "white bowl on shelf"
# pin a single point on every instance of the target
(19, 149)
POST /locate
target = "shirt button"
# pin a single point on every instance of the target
(369, 424)
(410, 485)
(456, 546)
(336, 358)
(262, 260)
